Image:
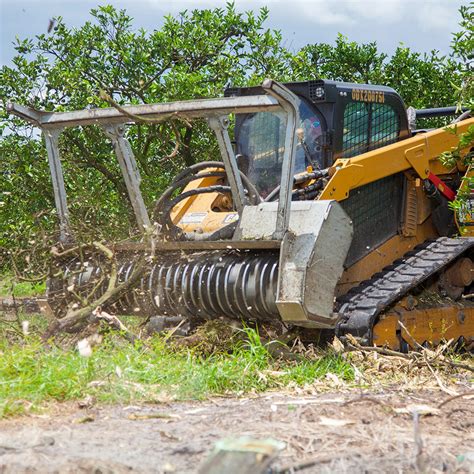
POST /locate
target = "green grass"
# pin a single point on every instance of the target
(10, 286)
(32, 375)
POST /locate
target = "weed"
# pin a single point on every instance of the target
(234, 362)
(10, 286)
(31, 375)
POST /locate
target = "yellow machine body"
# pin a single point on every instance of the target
(417, 158)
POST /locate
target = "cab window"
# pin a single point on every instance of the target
(260, 142)
(368, 126)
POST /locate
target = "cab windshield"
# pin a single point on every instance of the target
(260, 140)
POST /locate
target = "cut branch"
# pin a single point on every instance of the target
(76, 319)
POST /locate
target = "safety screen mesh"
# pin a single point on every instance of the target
(368, 126)
(356, 129)
(375, 213)
(384, 126)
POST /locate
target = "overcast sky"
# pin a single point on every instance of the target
(422, 25)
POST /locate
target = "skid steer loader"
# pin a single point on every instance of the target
(326, 210)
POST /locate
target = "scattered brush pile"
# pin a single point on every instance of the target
(212, 337)
(423, 368)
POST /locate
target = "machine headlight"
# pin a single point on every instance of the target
(319, 92)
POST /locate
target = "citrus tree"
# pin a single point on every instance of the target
(194, 54)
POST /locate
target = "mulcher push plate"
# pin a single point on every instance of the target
(359, 308)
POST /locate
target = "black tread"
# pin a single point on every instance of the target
(359, 308)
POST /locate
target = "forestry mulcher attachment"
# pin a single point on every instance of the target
(325, 210)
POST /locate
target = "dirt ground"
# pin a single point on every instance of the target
(339, 432)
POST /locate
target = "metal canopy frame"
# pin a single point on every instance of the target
(187, 108)
(113, 122)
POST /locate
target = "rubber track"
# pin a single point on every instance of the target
(360, 307)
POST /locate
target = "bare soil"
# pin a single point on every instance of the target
(339, 432)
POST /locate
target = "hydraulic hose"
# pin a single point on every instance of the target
(164, 205)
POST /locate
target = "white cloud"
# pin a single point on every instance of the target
(320, 11)
(436, 16)
(347, 12)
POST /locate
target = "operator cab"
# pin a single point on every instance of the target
(336, 120)
(260, 145)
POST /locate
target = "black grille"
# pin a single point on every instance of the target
(368, 126)
(375, 212)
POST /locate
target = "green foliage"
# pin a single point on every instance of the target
(422, 80)
(463, 49)
(195, 54)
(31, 373)
(344, 61)
(450, 158)
(10, 287)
